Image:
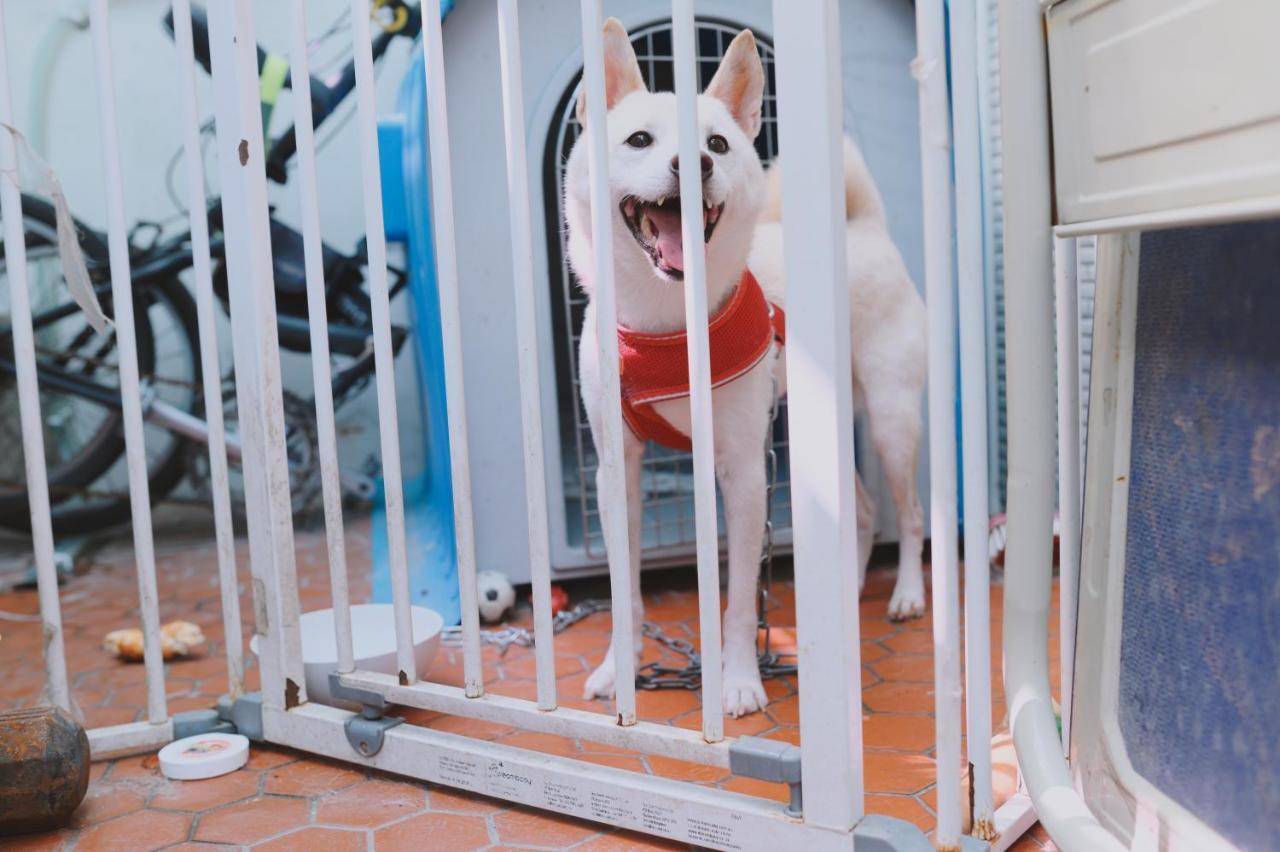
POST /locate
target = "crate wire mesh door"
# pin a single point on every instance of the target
(667, 484)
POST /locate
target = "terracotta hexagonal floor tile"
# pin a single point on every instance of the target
(663, 705)
(617, 761)
(433, 831)
(448, 800)
(905, 668)
(545, 743)
(316, 838)
(787, 734)
(910, 733)
(105, 801)
(469, 727)
(886, 772)
(786, 711)
(269, 757)
(753, 724)
(138, 830)
(683, 770)
(872, 651)
(370, 804)
(539, 828)
(206, 794)
(310, 778)
(754, 787)
(145, 767)
(909, 642)
(254, 820)
(899, 697)
(901, 807)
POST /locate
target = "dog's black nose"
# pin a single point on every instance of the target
(706, 165)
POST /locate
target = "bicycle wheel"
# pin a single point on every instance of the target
(84, 442)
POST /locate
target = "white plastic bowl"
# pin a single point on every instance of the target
(373, 640)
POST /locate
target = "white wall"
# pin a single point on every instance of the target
(146, 89)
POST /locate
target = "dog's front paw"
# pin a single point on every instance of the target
(601, 682)
(908, 599)
(743, 691)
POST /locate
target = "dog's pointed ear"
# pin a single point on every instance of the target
(621, 70)
(739, 83)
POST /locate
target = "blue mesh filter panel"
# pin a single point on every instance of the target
(1200, 649)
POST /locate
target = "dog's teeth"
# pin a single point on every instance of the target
(646, 228)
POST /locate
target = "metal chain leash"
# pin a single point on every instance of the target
(771, 665)
(655, 675)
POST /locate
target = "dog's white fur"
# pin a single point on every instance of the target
(887, 322)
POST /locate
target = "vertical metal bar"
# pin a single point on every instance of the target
(383, 354)
(451, 335)
(1029, 329)
(241, 164)
(211, 370)
(535, 477)
(699, 346)
(130, 386)
(318, 320)
(1068, 327)
(973, 408)
(820, 410)
(612, 464)
(15, 252)
(935, 162)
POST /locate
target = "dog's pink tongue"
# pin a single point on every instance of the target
(669, 245)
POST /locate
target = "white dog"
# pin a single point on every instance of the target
(741, 214)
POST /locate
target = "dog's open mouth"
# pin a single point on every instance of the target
(656, 228)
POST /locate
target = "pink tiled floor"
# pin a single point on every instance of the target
(285, 800)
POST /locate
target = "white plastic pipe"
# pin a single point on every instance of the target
(210, 369)
(820, 411)
(451, 339)
(930, 70)
(697, 316)
(130, 386)
(15, 252)
(383, 353)
(1029, 331)
(973, 407)
(1069, 483)
(535, 476)
(318, 320)
(612, 496)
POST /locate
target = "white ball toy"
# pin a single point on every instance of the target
(495, 593)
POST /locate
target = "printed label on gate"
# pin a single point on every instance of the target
(459, 772)
(509, 782)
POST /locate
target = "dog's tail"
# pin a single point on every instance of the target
(861, 197)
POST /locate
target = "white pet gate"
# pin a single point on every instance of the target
(825, 770)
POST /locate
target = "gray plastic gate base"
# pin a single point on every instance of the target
(886, 834)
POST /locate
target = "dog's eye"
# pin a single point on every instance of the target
(639, 139)
(718, 144)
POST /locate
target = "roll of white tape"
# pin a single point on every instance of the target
(204, 756)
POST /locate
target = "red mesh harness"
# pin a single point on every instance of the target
(655, 367)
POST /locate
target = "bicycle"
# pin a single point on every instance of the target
(77, 368)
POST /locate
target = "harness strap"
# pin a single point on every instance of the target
(655, 367)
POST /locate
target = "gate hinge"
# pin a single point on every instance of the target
(364, 730)
(769, 760)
